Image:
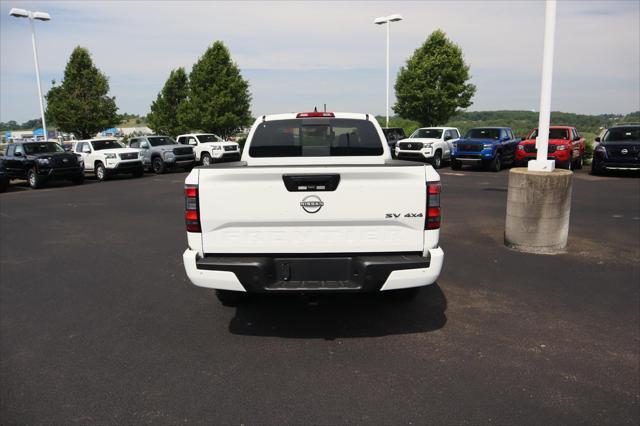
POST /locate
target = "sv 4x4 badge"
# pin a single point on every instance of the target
(396, 215)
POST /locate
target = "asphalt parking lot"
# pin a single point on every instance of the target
(99, 324)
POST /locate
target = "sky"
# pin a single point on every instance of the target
(297, 55)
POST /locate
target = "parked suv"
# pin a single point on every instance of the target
(491, 147)
(618, 149)
(566, 147)
(160, 153)
(393, 135)
(108, 157)
(39, 162)
(433, 144)
(210, 148)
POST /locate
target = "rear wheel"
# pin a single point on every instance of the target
(436, 162)
(456, 165)
(157, 165)
(206, 159)
(35, 181)
(101, 172)
(496, 164)
(230, 298)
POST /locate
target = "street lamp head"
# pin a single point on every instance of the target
(41, 16)
(395, 17)
(381, 20)
(19, 13)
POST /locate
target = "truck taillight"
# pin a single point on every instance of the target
(433, 206)
(191, 213)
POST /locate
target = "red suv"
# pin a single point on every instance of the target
(566, 146)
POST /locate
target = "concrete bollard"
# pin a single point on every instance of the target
(538, 207)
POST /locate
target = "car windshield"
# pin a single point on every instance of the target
(483, 134)
(553, 134)
(106, 144)
(622, 134)
(209, 138)
(42, 148)
(427, 133)
(161, 140)
(315, 137)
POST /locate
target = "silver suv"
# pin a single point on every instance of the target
(160, 153)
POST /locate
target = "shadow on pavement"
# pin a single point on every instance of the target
(340, 316)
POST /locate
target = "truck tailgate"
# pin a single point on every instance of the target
(373, 209)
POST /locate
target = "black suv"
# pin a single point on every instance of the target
(39, 162)
(393, 135)
(619, 149)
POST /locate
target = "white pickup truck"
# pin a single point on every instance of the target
(433, 144)
(316, 205)
(209, 148)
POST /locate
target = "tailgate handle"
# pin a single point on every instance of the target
(296, 183)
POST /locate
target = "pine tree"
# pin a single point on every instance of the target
(81, 104)
(434, 84)
(219, 98)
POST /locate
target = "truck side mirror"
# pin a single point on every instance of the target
(598, 139)
(448, 138)
(18, 154)
(144, 145)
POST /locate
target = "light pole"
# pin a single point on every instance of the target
(40, 16)
(541, 164)
(381, 21)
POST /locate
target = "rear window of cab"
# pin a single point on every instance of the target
(315, 137)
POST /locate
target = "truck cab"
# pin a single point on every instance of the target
(210, 148)
(490, 147)
(316, 205)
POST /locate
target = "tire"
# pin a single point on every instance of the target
(101, 172)
(456, 165)
(4, 184)
(496, 164)
(35, 181)
(577, 165)
(138, 173)
(230, 298)
(158, 166)
(206, 159)
(78, 180)
(403, 295)
(436, 162)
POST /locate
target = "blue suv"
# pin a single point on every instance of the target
(491, 147)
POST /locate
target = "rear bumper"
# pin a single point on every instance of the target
(314, 273)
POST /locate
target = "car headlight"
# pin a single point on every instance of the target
(168, 155)
(110, 156)
(43, 161)
(216, 147)
(520, 147)
(600, 148)
(561, 148)
(455, 145)
(426, 145)
(487, 145)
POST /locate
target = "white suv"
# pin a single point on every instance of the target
(432, 144)
(210, 148)
(107, 157)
